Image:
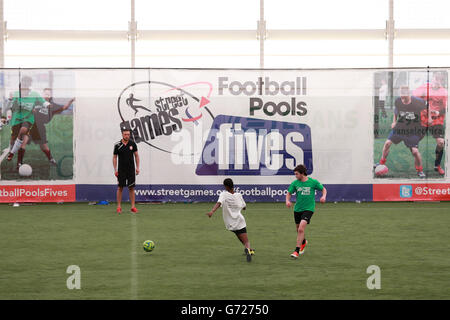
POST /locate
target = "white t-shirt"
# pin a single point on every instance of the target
(232, 205)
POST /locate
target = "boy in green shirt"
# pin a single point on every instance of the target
(304, 188)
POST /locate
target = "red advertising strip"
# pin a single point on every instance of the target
(412, 192)
(37, 193)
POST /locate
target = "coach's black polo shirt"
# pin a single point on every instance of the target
(125, 154)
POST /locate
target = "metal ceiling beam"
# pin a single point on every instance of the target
(171, 35)
(132, 34)
(390, 34)
(261, 33)
(66, 35)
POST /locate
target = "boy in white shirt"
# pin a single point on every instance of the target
(232, 203)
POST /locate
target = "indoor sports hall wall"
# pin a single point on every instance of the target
(195, 127)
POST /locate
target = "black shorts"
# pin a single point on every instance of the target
(438, 131)
(126, 179)
(38, 134)
(16, 128)
(240, 231)
(303, 215)
(411, 141)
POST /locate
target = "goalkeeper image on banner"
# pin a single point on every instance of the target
(22, 105)
(232, 203)
(42, 116)
(433, 117)
(304, 188)
(126, 152)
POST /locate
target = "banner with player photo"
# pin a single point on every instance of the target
(194, 128)
(409, 124)
(410, 111)
(36, 137)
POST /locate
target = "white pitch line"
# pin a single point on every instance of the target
(134, 246)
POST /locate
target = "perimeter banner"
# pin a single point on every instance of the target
(354, 130)
(37, 193)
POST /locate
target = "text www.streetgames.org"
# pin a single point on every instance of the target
(187, 193)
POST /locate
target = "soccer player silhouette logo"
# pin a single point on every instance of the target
(130, 102)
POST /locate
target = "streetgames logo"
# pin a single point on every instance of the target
(156, 112)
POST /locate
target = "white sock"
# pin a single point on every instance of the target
(16, 146)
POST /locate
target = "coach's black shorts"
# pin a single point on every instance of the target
(438, 131)
(16, 128)
(303, 215)
(240, 231)
(126, 179)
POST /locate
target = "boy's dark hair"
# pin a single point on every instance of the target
(228, 183)
(301, 169)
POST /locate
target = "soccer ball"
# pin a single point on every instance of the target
(149, 245)
(381, 170)
(25, 170)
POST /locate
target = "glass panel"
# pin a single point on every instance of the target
(67, 15)
(325, 54)
(199, 14)
(417, 14)
(421, 53)
(67, 54)
(326, 14)
(198, 54)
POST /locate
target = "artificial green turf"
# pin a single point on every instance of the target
(196, 258)
(400, 160)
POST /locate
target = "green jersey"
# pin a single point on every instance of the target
(305, 193)
(22, 107)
